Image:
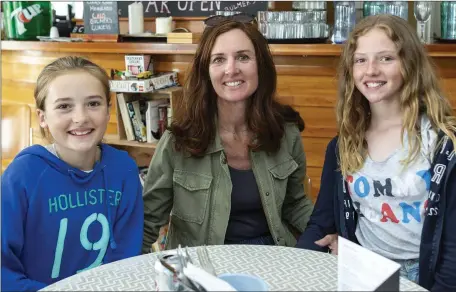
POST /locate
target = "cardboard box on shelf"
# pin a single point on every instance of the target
(136, 64)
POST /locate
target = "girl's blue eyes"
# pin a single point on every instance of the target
(382, 59)
(94, 103)
(66, 106)
(63, 106)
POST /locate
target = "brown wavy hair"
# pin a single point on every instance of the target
(194, 126)
(421, 93)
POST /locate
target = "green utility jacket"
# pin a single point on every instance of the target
(196, 192)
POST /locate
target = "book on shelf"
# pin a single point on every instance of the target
(162, 118)
(124, 114)
(153, 118)
(170, 114)
(134, 111)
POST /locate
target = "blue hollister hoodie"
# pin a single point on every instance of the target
(437, 261)
(58, 220)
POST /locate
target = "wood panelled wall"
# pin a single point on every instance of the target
(308, 83)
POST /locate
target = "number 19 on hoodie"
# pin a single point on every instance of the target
(101, 245)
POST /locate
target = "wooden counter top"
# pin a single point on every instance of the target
(435, 50)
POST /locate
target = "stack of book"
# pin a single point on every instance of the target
(143, 120)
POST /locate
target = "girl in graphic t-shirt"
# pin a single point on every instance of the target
(388, 181)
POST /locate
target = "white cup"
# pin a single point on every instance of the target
(54, 32)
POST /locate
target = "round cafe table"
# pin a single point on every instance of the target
(283, 268)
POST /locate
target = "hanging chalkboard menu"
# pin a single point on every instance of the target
(101, 17)
(193, 8)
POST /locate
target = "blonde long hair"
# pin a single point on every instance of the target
(62, 66)
(420, 93)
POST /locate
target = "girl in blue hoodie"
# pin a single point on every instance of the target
(74, 204)
(389, 181)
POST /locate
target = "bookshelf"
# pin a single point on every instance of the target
(115, 140)
(173, 94)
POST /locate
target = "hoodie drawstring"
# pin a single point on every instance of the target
(112, 240)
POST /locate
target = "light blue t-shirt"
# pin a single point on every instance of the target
(390, 199)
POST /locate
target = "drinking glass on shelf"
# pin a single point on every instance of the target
(344, 20)
(398, 8)
(422, 11)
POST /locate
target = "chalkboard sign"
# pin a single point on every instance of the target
(193, 8)
(101, 17)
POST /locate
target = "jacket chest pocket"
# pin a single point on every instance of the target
(191, 195)
(280, 174)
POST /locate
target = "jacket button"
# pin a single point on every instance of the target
(224, 160)
(267, 193)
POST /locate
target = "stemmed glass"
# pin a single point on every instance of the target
(422, 11)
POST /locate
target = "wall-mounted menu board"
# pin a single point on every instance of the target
(101, 17)
(193, 8)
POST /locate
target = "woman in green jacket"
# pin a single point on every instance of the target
(231, 167)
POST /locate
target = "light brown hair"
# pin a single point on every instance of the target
(420, 94)
(194, 125)
(63, 66)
